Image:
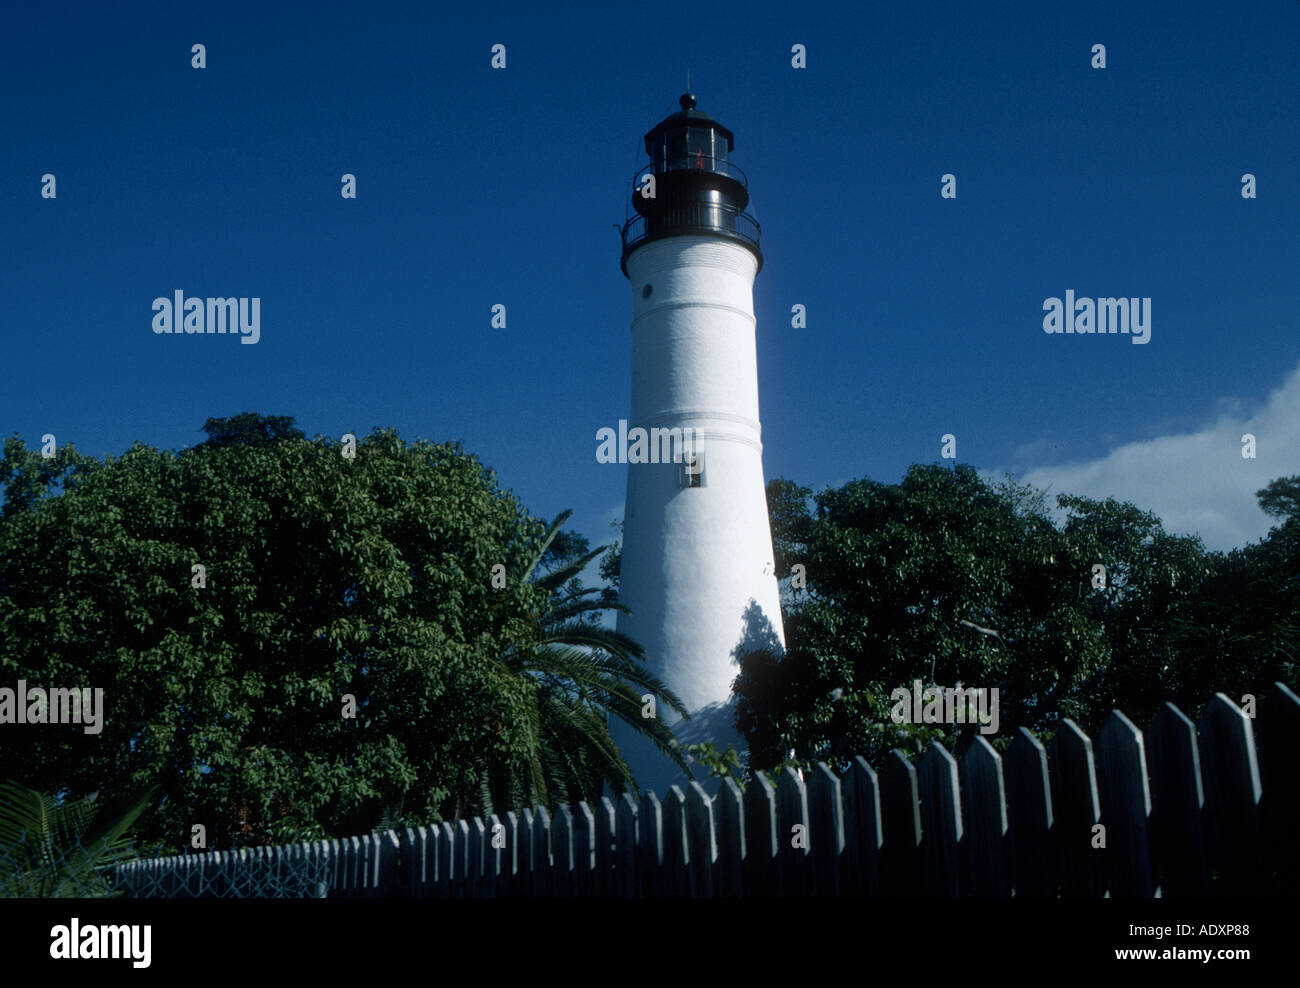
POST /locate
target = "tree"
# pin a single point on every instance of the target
(1153, 582)
(611, 566)
(1281, 499)
(787, 509)
(328, 582)
(1241, 631)
(949, 579)
(251, 429)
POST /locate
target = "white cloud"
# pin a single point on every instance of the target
(1197, 483)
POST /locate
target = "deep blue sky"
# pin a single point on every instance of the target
(478, 186)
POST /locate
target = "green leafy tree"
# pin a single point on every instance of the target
(719, 764)
(327, 581)
(1149, 582)
(1243, 629)
(250, 429)
(611, 566)
(1281, 499)
(787, 508)
(949, 579)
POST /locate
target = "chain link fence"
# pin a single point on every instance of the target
(29, 870)
(256, 873)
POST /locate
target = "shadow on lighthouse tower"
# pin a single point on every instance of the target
(697, 569)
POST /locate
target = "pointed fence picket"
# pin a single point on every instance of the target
(650, 840)
(729, 804)
(984, 806)
(627, 857)
(862, 830)
(762, 840)
(900, 800)
(826, 826)
(1078, 813)
(602, 876)
(1029, 805)
(1125, 807)
(1280, 803)
(701, 837)
(1232, 797)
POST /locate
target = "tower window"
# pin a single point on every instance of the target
(691, 473)
(645, 292)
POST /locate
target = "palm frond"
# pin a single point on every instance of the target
(593, 636)
(547, 539)
(62, 849)
(620, 673)
(569, 610)
(584, 675)
(552, 582)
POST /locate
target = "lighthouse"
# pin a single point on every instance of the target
(697, 572)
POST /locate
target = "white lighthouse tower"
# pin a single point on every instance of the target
(697, 569)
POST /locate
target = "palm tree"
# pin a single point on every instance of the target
(583, 673)
(61, 849)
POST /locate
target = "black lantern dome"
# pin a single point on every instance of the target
(697, 190)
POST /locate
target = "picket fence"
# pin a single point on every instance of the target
(1184, 810)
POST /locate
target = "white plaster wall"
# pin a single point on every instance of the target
(695, 560)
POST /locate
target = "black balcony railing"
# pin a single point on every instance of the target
(692, 161)
(696, 217)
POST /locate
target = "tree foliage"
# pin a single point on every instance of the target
(250, 429)
(326, 576)
(948, 579)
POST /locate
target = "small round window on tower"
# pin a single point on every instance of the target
(645, 292)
